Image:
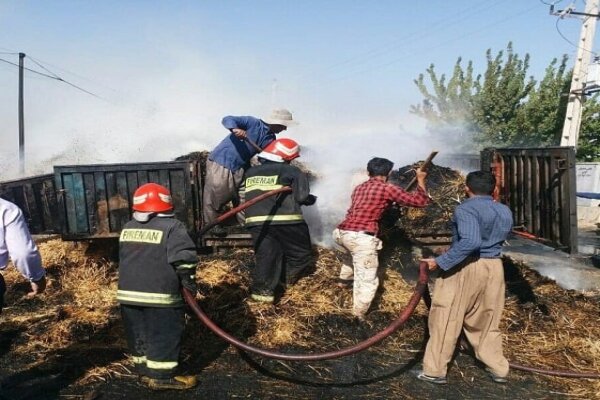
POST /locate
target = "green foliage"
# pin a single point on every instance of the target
(588, 147)
(542, 116)
(504, 107)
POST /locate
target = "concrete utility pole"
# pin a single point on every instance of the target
(570, 133)
(21, 118)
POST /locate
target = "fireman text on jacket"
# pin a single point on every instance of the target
(141, 235)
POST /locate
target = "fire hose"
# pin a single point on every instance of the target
(421, 291)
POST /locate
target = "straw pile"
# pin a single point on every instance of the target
(544, 325)
(446, 188)
(551, 328)
(74, 317)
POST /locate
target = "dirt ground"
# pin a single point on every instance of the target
(69, 344)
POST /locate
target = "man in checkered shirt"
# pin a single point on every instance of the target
(357, 233)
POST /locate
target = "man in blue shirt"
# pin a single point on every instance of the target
(228, 161)
(468, 294)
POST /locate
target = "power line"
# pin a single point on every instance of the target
(570, 42)
(40, 61)
(448, 21)
(44, 68)
(467, 34)
(55, 77)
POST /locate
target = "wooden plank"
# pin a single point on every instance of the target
(49, 207)
(70, 214)
(120, 205)
(178, 193)
(527, 205)
(535, 195)
(80, 203)
(111, 196)
(102, 222)
(36, 192)
(163, 178)
(153, 176)
(132, 185)
(90, 202)
(142, 177)
(520, 204)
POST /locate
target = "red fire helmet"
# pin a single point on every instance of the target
(281, 150)
(152, 197)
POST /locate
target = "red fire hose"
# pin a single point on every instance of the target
(394, 326)
(242, 207)
(421, 291)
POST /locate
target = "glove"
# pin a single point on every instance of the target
(310, 200)
(187, 278)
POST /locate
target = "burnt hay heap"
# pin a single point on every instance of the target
(445, 187)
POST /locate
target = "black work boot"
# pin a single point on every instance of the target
(180, 382)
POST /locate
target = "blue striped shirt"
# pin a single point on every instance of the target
(479, 227)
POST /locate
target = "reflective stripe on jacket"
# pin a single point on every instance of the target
(283, 208)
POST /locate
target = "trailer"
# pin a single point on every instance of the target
(90, 202)
(36, 196)
(539, 186)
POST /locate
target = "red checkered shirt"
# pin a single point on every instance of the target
(370, 199)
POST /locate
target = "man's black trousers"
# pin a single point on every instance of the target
(154, 338)
(283, 253)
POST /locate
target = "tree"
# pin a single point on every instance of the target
(500, 97)
(588, 146)
(541, 118)
(503, 107)
(448, 108)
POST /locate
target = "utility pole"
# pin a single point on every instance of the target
(21, 118)
(570, 133)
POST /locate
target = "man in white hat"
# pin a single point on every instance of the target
(228, 161)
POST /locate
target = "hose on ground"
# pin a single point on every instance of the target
(421, 291)
(379, 336)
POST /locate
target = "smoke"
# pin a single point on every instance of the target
(176, 107)
(341, 162)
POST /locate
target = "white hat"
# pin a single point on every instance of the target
(280, 117)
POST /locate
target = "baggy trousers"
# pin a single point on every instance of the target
(154, 338)
(364, 250)
(221, 185)
(283, 252)
(469, 299)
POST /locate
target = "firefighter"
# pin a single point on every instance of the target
(16, 242)
(358, 232)
(228, 161)
(156, 258)
(280, 235)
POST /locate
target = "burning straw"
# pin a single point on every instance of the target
(446, 188)
(544, 325)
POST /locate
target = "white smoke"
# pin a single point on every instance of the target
(176, 108)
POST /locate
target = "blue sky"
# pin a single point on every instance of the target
(168, 71)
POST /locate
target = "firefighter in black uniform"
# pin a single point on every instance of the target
(157, 257)
(280, 235)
